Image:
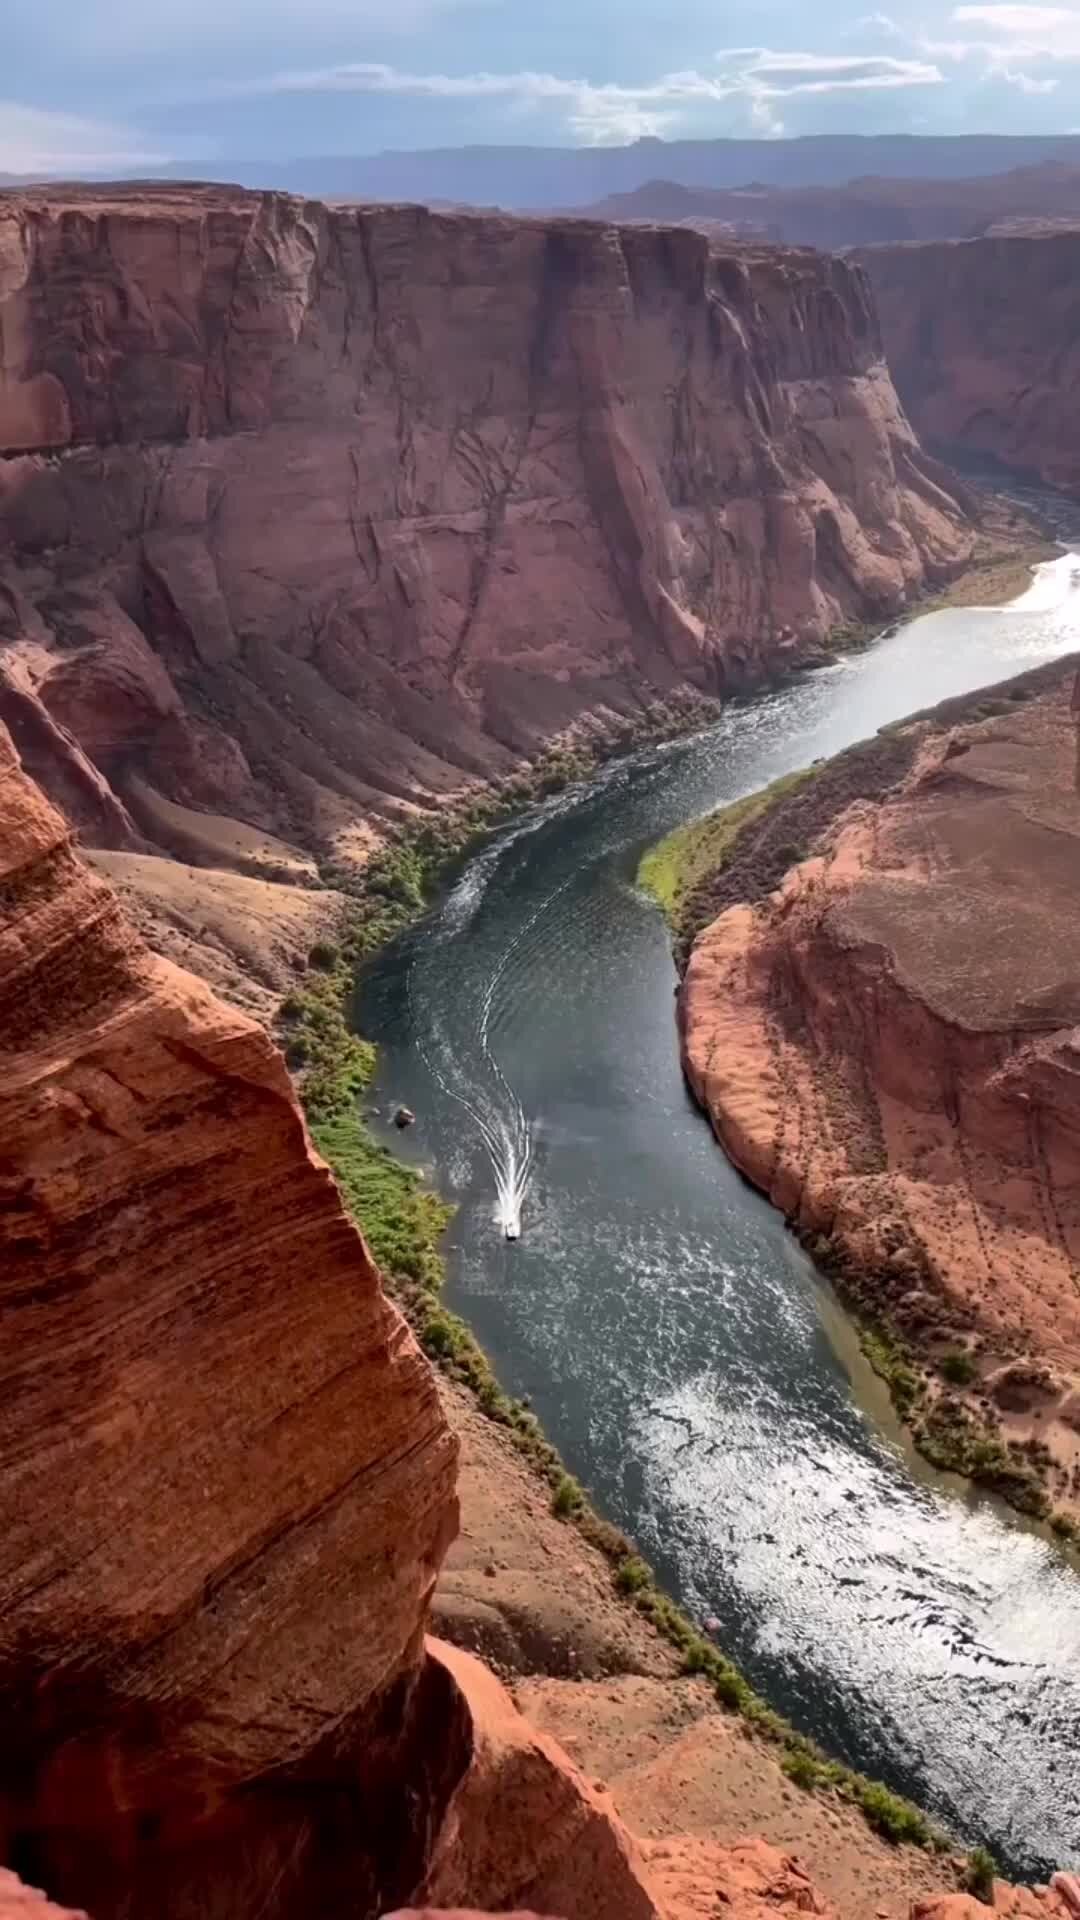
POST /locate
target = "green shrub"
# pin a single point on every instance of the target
(958, 1367)
(979, 1875)
(731, 1689)
(699, 1656)
(402, 1220)
(324, 955)
(631, 1575)
(896, 1819)
(802, 1768)
(297, 1050)
(567, 1497)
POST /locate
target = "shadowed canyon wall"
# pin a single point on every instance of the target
(983, 345)
(312, 514)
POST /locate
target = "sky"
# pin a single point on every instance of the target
(100, 85)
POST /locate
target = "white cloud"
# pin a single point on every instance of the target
(33, 140)
(764, 119)
(1016, 20)
(1009, 33)
(603, 112)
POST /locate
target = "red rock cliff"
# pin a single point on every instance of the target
(890, 1047)
(982, 342)
(308, 511)
(225, 1480)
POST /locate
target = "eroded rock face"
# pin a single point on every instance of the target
(982, 343)
(226, 1481)
(526, 1826)
(310, 512)
(890, 1046)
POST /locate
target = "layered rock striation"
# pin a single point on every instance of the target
(227, 1483)
(982, 344)
(890, 1047)
(314, 514)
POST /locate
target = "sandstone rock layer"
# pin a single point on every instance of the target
(311, 513)
(890, 1047)
(981, 340)
(226, 1480)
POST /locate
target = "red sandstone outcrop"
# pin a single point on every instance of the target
(982, 344)
(226, 1482)
(890, 1047)
(313, 513)
(524, 1826)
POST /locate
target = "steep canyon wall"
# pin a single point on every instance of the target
(310, 515)
(982, 342)
(888, 1046)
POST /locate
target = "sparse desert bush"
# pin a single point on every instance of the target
(979, 1877)
(958, 1367)
(567, 1497)
(632, 1575)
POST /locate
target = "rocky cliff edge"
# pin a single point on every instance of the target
(890, 1047)
(311, 515)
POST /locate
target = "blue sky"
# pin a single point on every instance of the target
(101, 84)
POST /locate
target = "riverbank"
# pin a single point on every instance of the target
(460, 1356)
(638, 1629)
(555, 1598)
(679, 871)
(908, 1168)
(1001, 568)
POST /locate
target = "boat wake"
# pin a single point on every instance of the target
(488, 1098)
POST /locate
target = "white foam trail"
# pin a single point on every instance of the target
(502, 1123)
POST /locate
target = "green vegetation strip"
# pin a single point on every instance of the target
(672, 868)
(403, 1220)
(952, 1437)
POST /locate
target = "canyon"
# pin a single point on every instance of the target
(313, 518)
(981, 340)
(885, 1039)
(228, 1486)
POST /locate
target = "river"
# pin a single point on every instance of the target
(678, 1346)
